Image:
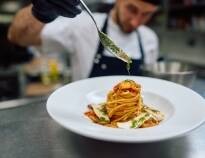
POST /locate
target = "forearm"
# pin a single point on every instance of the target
(25, 29)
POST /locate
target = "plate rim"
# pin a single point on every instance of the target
(93, 136)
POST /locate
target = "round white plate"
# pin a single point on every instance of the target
(183, 108)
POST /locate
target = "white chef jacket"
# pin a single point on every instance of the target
(79, 37)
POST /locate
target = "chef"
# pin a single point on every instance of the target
(56, 26)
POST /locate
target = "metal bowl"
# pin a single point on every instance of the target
(177, 72)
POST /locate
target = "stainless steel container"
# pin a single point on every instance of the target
(173, 71)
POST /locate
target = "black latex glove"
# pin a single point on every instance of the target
(48, 10)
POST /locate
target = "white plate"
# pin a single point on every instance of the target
(183, 108)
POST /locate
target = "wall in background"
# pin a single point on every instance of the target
(183, 46)
(181, 29)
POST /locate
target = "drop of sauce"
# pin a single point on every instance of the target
(128, 66)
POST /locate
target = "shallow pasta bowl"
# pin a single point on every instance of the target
(183, 108)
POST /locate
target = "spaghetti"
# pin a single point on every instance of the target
(124, 108)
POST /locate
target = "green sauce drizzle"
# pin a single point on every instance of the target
(115, 50)
(128, 68)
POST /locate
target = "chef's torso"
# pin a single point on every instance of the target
(79, 37)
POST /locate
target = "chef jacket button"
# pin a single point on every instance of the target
(103, 66)
(96, 61)
(98, 56)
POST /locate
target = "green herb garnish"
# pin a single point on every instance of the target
(102, 119)
(134, 124)
(103, 111)
(127, 80)
(139, 120)
(114, 49)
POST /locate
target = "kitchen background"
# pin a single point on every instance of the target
(180, 25)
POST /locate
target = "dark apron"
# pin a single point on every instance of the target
(105, 66)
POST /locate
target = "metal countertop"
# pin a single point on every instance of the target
(28, 132)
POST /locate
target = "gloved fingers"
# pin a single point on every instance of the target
(43, 11)
(65, 9)
(44, 17)
(70, 3)
(73, 2)
(66, 13)
(75, 10)
(48, 10)
(41, 5)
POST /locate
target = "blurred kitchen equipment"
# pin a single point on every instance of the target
(174, 71)
(12, 83)
(10, 6)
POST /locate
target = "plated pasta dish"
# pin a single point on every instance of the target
(124, 108)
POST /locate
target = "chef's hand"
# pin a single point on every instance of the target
(48, 10)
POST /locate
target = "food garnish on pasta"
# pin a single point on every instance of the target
(124, 108)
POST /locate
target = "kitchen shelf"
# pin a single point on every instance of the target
(186, 17)
(6, 18)
(187, 7)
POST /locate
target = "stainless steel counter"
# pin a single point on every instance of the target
(28, 132)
